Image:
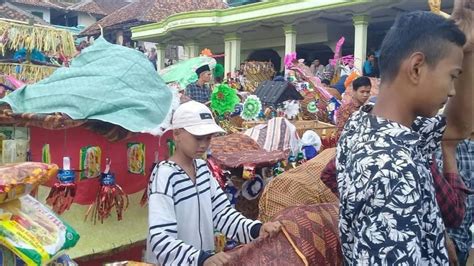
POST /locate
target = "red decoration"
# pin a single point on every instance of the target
(217, 172)
(110, 195)
(61, 196)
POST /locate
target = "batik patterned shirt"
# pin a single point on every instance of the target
(388, 211)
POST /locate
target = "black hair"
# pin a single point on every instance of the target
(370, 54)
(418, 31)
(326, 81)
(361, 82)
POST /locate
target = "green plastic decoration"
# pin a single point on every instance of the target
(224, 99)
(312, 107)
(252, 108)
(182, 73)
(219, 71)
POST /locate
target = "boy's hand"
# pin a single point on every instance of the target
(270, 229)
(463, 13)
(219, 259)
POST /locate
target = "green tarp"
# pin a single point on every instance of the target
(107, 82)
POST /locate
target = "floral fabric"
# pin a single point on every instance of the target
(388, 212)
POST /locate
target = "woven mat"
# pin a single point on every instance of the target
(299, 186)
(310, 237)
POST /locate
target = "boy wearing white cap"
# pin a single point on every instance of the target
(186, 203)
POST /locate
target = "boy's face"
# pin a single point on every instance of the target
(436, 83)
(192, 146)
(362, 94)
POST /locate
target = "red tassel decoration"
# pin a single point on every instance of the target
(62, 193)
(216, 171)
(110, 195)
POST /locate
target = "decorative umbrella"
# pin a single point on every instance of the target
(183, 73)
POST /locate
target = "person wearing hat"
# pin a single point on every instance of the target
(186, 203)
(199, 91)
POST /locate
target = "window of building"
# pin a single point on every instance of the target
(38, 14)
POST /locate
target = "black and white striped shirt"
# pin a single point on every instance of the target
(182, 216)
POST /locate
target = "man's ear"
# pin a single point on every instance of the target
(415, 66)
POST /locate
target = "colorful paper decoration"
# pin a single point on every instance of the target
(252, 107)
(89, 163)
(248, 171)
(46, 154)
(171, 147)
(62, 193)
(224, 99)
(110, 195)
(136, 158)
(312, 107)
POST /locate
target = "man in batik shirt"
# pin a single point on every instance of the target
(388, 211)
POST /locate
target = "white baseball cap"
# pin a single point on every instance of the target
(195, 118)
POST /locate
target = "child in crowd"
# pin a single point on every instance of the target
(186, 203)
(388, 211)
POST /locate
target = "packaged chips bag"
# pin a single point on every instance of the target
(33, 232)
(19, 179)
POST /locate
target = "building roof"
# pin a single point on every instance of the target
(109, 6)
(42, 3)
(88, 6)
(9, 11)
(148, 11)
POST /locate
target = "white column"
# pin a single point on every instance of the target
(160, 56)
(191, 49)
(290, 39)
(361, 23)
(232, 52)
(119, 37)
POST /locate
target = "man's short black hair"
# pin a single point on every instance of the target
(361, 82)
(370, 54)
(418, 31)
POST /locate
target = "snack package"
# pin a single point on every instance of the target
(248, 171)
(33, 232)
(21, 178)
(136, 158)
(90, 162)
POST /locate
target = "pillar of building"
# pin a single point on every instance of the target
(290, 39)
(160, 56)
(232, 52)
(191, 49)
(361, 23)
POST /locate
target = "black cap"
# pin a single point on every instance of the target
(202, 69)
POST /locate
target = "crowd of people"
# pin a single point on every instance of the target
(403, 171)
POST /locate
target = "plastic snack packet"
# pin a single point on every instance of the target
(21, 178)
(33, 232)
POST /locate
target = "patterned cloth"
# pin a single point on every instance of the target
(198, 93)
(343, 114)
(388, 211)
(310, 237)
(56, 121)
(278, 134)
(465, 159)
(450, 192)
(235, 150)
(298, 186)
